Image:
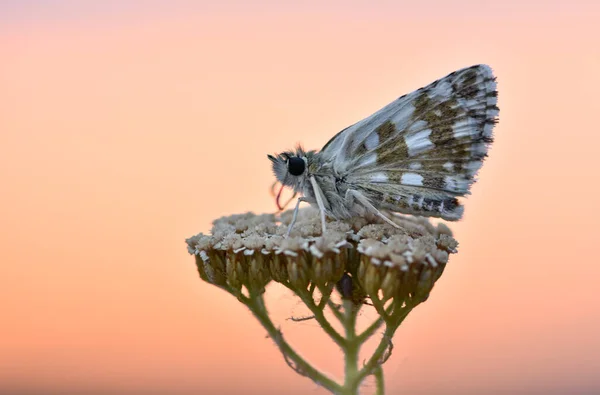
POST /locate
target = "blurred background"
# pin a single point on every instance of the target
(126, 127)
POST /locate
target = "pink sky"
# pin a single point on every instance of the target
(124, 132)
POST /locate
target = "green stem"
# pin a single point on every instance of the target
(335, 310)
(350, 343)
(351, 349)
(379, 357)
(383, 314)
(375, 325)
(256, 304)
(319, 316)
(325, 295)
(379, 383)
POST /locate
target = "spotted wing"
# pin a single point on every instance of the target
(420, 152)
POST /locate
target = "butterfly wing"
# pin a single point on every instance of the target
(420, 152)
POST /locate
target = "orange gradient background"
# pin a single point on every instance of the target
(126, 128)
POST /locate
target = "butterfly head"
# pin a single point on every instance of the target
(290, 167)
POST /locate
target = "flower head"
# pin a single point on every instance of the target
(248, 250)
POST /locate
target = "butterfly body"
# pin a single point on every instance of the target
(416, 155)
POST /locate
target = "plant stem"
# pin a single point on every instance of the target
(351, 349)
(379, 383)
(319, 316)
(256, 304)
(350, 343)
(379, 356)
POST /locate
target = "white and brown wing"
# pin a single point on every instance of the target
(420, 152)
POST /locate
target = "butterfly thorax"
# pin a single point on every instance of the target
(333, 185)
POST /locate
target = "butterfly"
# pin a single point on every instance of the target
(416, 155)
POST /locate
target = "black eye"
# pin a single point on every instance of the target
(296, 165)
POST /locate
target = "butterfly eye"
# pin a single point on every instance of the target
(296, 165)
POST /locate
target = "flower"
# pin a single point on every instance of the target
(365, 259)
(249, 250)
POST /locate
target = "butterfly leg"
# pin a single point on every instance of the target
(319, 197)
(362, 199)
(295, 216)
